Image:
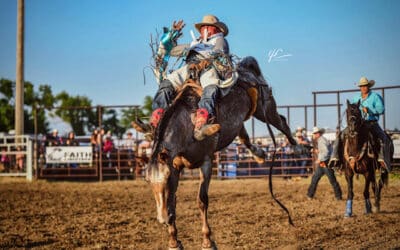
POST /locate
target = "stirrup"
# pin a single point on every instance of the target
(206, 130)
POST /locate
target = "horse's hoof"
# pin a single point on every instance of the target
(206, 130)
(179, 246)
(376, 209)
(347, 215)
(212, 247)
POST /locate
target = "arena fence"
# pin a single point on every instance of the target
(16, 156)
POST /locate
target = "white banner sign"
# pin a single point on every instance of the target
(78, 154)
(396, 144)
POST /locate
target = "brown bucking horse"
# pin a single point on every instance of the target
(175, 148)
(360, 157)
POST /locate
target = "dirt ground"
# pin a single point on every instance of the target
(242, 214)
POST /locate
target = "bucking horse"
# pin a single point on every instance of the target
(175, 148)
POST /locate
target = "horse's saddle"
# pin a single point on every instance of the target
(243, 77)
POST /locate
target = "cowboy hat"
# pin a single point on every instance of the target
(318, 130)
(213, 21)
(298, 134)
(364, 82)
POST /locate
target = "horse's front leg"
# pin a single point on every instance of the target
(202, 199)
(173, 242)
(350, 194)
(369, 177)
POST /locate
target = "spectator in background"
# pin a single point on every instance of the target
(108, 147)
(54, 139)
(302, 152)
(323, 152)
(5, 160)
(302, 131)
(19, 159)
(93, 142)
(71, 141)
(129, 146)
(287, 158)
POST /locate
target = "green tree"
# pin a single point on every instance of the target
(76, 111)
(32, 99)
(143, 112)
(7, 111)
(111, 122)
(38, 102)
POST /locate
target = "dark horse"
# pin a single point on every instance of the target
(175, 148)
(360, 158)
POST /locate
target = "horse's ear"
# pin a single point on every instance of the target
(358, 103)
(348, 103)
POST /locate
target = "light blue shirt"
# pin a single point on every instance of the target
(374, 104)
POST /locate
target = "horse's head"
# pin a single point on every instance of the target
(354, 118)
(354, 123)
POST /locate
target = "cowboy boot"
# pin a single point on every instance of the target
(382, 158)
(201, 128)
(162, 99)
(334, 161)
(148, 129)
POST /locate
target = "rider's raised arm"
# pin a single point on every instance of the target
(179, 50)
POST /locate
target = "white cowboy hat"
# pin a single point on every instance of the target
(213, 21)
(364, 82)
(318, 130)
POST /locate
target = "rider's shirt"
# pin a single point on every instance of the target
(214, 44)
(374, 104)
(203, 48)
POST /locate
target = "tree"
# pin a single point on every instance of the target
(7, 111)
(42, 100)
(39, 102)
(143, 112)
(76, 111)
(111, 123)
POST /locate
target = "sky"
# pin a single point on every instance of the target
(100, 48)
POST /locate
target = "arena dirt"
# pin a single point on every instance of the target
(242, 214)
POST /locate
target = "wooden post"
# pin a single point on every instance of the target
(19, 88)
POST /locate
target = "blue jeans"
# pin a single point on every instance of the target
(319, 172)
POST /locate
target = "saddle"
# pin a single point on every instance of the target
(234, 78)
(370, 147)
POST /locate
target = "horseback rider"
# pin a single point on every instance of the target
(371, 106)
(209, 47)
